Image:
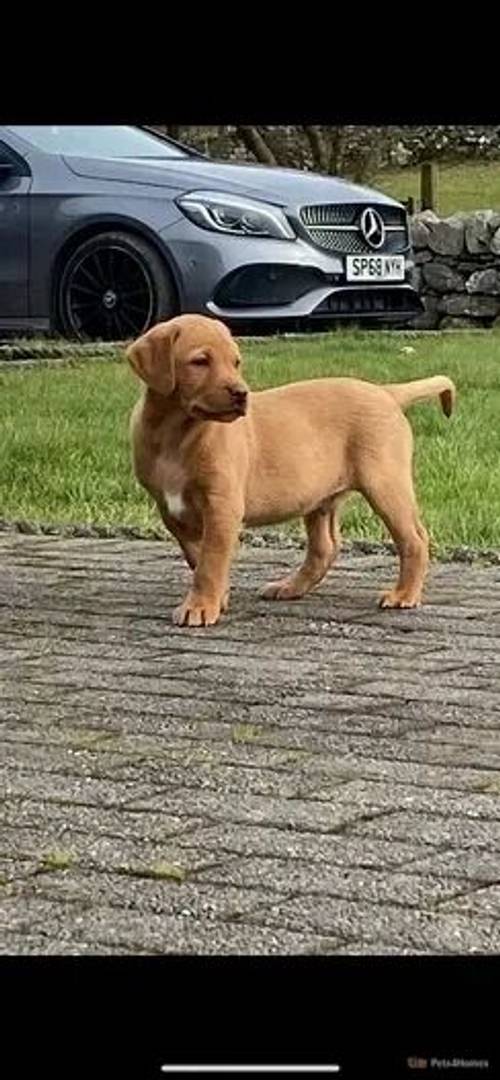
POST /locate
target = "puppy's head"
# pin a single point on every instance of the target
(198, 360)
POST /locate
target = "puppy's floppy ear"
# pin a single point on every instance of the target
(151, 357)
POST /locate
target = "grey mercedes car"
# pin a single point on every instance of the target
(105, 230)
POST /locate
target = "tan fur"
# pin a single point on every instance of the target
(422, 389)
(215, 457)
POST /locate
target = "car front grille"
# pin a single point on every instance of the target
(352, 243)
(335, 227)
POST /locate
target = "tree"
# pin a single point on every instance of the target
(358, 153)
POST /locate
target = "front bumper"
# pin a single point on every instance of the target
(264, 280)
(382, 302)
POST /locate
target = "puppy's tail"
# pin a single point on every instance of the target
(421, 389)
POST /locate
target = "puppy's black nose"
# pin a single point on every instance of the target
(238, 395)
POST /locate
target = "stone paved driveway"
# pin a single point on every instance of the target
(317, 777)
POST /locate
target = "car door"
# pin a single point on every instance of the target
(15, 184)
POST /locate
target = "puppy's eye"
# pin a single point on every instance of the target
(237, 362)
(200, 361)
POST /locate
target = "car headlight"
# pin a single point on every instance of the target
(230, 214)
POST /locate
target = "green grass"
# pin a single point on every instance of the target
(64, 454)
(246, 733)
(55, 860)
(160, 871)
(469, 186)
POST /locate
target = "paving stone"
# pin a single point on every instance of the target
(313, 777)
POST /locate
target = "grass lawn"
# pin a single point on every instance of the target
(64, 455)
(469, 186)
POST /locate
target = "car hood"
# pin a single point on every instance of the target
(281, 187)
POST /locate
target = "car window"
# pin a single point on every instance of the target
(106, 141)
(17, 164)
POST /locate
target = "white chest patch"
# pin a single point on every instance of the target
(175, 503)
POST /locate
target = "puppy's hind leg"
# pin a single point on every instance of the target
(323, 542)
(335, 509)
(393, 499)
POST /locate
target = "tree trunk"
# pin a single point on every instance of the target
(337, 149)
(254, 142)
(318, 147)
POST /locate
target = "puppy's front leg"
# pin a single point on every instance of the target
(188, 542)
(207, 597)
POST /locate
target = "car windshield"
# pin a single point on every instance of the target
(98, 142)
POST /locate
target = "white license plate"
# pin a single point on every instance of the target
(375, 267)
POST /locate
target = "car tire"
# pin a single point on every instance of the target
(114, 287)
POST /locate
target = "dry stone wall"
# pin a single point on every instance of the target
(457, 269)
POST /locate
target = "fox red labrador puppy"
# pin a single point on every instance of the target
(215, 456)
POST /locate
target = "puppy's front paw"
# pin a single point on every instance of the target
(198, 611)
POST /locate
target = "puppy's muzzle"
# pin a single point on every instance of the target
(239, 398)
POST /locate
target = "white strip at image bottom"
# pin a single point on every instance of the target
(251, 1069)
